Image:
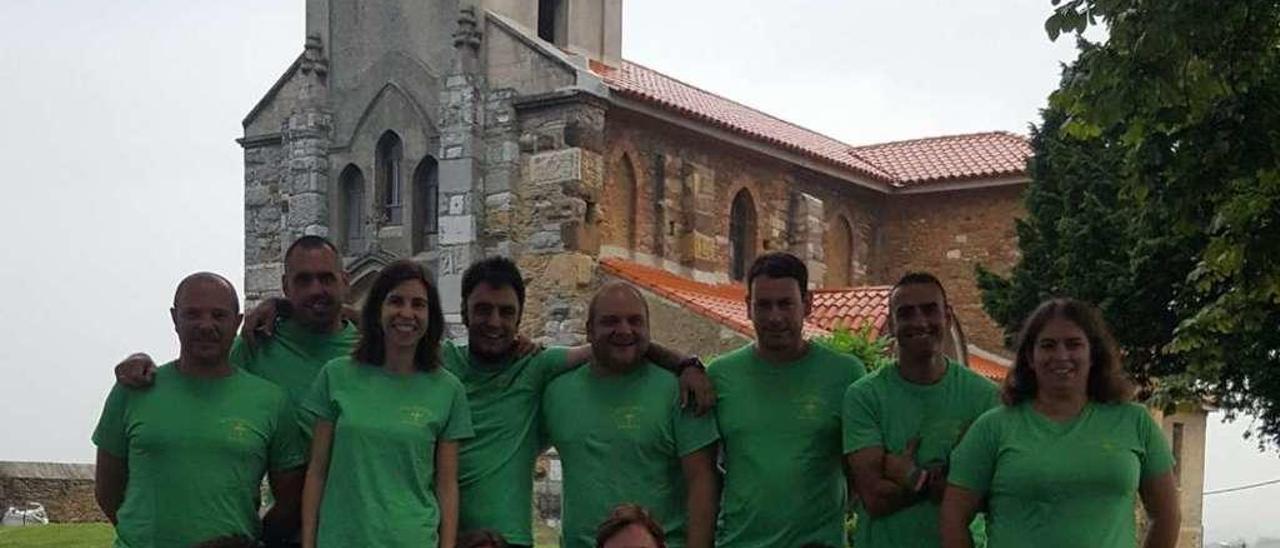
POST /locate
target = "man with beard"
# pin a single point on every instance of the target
(901, 422)
(622, 435)
(505, 388)
(314, 331)
(182, 463)
(779, 414)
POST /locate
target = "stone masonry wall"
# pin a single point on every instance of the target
(65, 490)
(554, 230)
(948, 234)
(677, 209)
(263, 220)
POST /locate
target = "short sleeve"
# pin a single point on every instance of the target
(110, 433)
(287, 449)
(1156, 456)
(452, 356)
(857, 369)
(319, 401)
(550, 363)
(693, 432)
(458, 426)
(859, 419)
(973, 461)
(240, 357)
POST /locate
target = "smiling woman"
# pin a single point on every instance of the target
(378, 413)
(1067, 427)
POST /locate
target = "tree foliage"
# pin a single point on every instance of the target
(1180, 106)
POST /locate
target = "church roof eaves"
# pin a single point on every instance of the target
(996, 157)
(271, 93)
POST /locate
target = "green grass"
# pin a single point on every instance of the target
(63, 535)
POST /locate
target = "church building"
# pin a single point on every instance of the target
(450, 130)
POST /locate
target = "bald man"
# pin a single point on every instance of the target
(622, 436)
(181, 463)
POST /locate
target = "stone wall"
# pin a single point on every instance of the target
(65, 490)
(948, 234)
(263, 219)
(682, 330)
(668, 195)
(554, 231)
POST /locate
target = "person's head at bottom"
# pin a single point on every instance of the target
(630, 526)
(481, 538)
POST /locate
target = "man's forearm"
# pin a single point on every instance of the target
(666, 358)
(701, 502)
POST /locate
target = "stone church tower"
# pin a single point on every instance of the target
(401, 131)
(448, 130)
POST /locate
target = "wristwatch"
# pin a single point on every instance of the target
(691, 361)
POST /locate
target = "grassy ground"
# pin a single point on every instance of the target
(99, 535)
(70, 535)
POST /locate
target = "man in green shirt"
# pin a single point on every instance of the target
(779, 414)
(182, 463)
(504, 389)
(312, 332)
(622, 436)
(901, 422)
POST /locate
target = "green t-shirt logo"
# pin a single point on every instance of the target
(415, 415)
(808, 407)
(237, 429)
(626, 417)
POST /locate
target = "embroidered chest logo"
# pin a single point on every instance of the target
(237, 429)
(415, 415)
(626, 417)
(807, 407)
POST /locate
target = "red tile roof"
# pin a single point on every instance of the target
(987, 368)
(898, 164)
(993, 154)
(726, 304)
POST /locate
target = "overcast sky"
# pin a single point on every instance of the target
(117, 122)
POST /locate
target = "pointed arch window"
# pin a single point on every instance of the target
(426, 202)
(390, 154)
(352, 209)
(742, 234)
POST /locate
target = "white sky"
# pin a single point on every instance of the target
(117, 122)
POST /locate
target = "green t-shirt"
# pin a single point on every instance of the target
(885, 410)
(380, 489)
(620, 439)
(196, 451)
(1068, 484)
(495, 468)
(784, 482)
(292, 358)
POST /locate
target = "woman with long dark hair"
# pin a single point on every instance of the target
(384, 457)
(1062, 461)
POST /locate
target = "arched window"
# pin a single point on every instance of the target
(390, 153)
(840, 254)
(742, 234)
(426, 202)
(352, 210)
(624, 204)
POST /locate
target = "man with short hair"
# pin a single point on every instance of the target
(505, 391)
(779, 414)
(622, 435)
(310, 332)
(901, 422)
(182, 463)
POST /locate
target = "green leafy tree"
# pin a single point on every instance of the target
(1184, 97)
